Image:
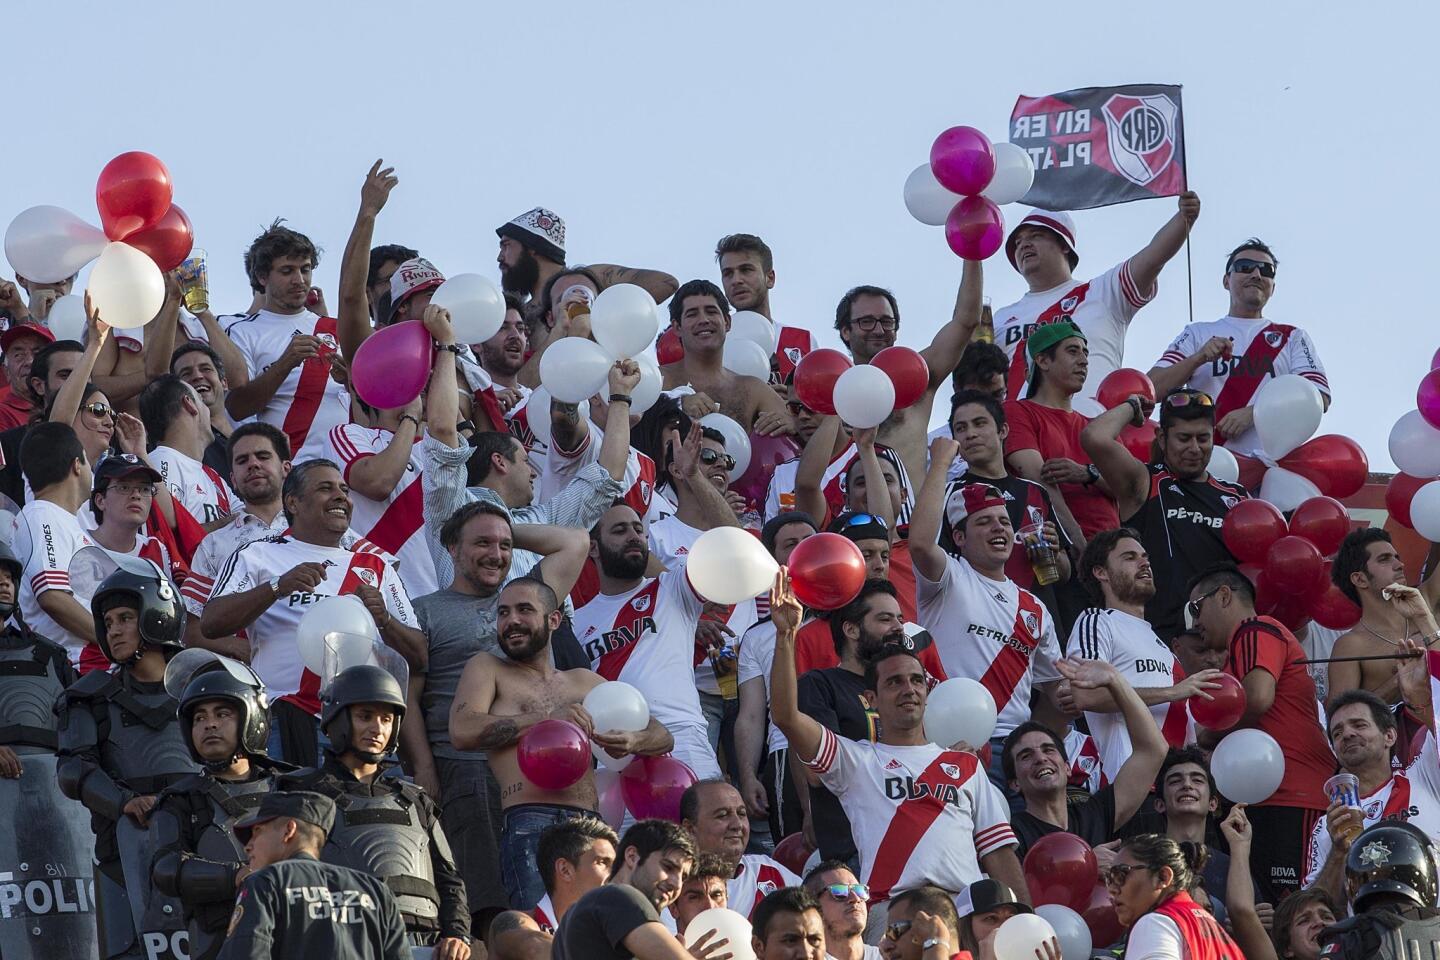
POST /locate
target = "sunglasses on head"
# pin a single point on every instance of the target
(864, 519)
(710, 457)
(1246, 265)
(1188, 398)
(843, 891)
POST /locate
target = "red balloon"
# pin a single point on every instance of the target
(1250, 528)
(553, 754)
(907, 370)
(815, 377)
(1332, 608)
(1323, 521)
(1225, 709)
(652, 787)
(1333, 463)
(1061, 868)
(792, 852)
(1291, 609)
(168, 243)
(1123, 384)
(975, 228)
(1294, 566)
(133, 193)
(765, 454)
(1140, 441)
(668, 349)
(1101, 918)
(963, 160)
(1399, 492)
(827, 571)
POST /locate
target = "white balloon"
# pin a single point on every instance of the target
(574, 369)
(126, 288)
(864, 396)
(67, 317)
(1286, 489)
(1247, 766)
(647, 391)
(1223, 465)
(747, 358)
(749, 325)
(960, 709)
(1425, 511)
(623, 320)
(1014, 173)
(616, 706)
(1415, 446)
(728, 924)
(1288, 409)
(729, 565)
(926, 199)
(1070, 928)
(537, 415)
(344, 615)
(737, 441)
(476, 305)
(48, 244)
(1021, 937)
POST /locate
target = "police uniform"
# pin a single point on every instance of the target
(302, 909)
(1390, 873)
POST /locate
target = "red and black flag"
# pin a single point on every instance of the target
(1102, 145)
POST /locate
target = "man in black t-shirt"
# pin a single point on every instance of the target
(1033, 757)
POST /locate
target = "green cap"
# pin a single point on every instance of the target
(1044, 337)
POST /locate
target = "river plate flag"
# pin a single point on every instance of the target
(1101, 145)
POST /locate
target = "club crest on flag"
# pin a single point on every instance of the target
(1141, 135)
(792, 354)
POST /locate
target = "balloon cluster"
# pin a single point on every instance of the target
(1062, 874)
(1290, 563)
(144, 233)
(1413, 496)
(1287, 412)
(863, 396)
(963, 186)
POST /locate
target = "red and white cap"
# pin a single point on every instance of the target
(971, 498)
(410, 278)
(1057, 222)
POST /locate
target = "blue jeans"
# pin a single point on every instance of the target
(519, 843)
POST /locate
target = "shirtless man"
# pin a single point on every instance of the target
(868, 321)
(498, 698)
(1365, 565)
(700, 314)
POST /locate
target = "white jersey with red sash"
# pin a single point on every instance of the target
(991, 631)
(756, 878)
(309, 403)
(1086, 770)
(780, 494)
(274, 653)
(919, 814)
(1180, 929)
(1262, 350)
(544, 915)
(1127, 643)
(558, 468)
(1102, 308)
(195, 487)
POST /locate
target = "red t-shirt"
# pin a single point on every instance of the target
(14, 411)
(1263, 643)
(1056, 433)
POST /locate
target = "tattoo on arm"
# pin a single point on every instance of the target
(565, 425)
(498, 733)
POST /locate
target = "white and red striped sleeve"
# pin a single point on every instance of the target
(1302, 358)
(992, 815)
(351, 443)
(830, 760)
(48, 567)
(1134, 296)
(1181, 347)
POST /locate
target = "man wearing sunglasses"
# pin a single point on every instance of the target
(1233, 357)
(1175, 505)
(843, 910)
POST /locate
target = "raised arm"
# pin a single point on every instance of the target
(810, 471)
(802, 732)
(943, 354)
(1127, 478)
(1250, 935)
(353, 319)
(563, 548)
(925, 552)
(442, 400)
(877, 493)
(236, 373)
(1145, 265)
(160, 332)
(714, 508)
(72, 391)
(1147, 746)
(615, 447)
(375, 476)
(657, 283)
(1177, 374)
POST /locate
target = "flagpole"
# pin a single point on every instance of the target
(1185, 174)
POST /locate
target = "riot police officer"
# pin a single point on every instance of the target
(223, 712)
(120, 746)
(386, 825)
(292, 907)
(1391, 879)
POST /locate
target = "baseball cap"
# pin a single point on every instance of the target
(1044, 337)
(970, 498)
(538, 229)
(118, 466)
(21, 329)
(410, 278)
(1057, 222)
(313, 808)
(982, 896)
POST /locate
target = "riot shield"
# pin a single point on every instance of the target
(159, 920)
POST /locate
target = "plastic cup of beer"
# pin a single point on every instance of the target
(1041, 554)
(195, 282)
(1345, 788)
(578, 308)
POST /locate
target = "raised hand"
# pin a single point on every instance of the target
(376, 189)
(785, 608)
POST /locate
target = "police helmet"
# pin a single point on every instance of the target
(1391, 858)
(363, 684)
(247, 697)
(141, 585)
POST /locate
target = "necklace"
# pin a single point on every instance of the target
(1380, 636)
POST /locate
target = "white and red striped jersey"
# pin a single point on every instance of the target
(309, 402)
(1086, 770)
(274, 653)
(780, 494)
(1129, 645)
(756, 878)
(757, 656)
(646, 637)
(397, 523)
(517, 421)
(670, 540)
(46, 540)
(559, 468)
(1262, 351)
(1102, 308)
(195, 488)
(544, 915)
(992, 631)
(217, 547)
(920, 814)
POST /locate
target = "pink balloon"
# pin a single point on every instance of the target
(963, 160)
(1435, 360)
(611, 796)
(392, 365)
(975, 228)
(653, 787)
(765, 454)
(553, 754)
(1427, 398)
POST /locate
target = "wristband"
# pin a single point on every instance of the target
(1139, 418)
(454, 348)
(619, 398)
(413, 420)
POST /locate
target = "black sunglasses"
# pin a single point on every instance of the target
(1194, 605)
(1246, 265)
(896, 930)
(1116, 876)
(708, 457)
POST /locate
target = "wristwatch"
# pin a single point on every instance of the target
(935, 942)
(1092, 474)
(275, 586)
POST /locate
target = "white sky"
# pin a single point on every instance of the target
(655, 128)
